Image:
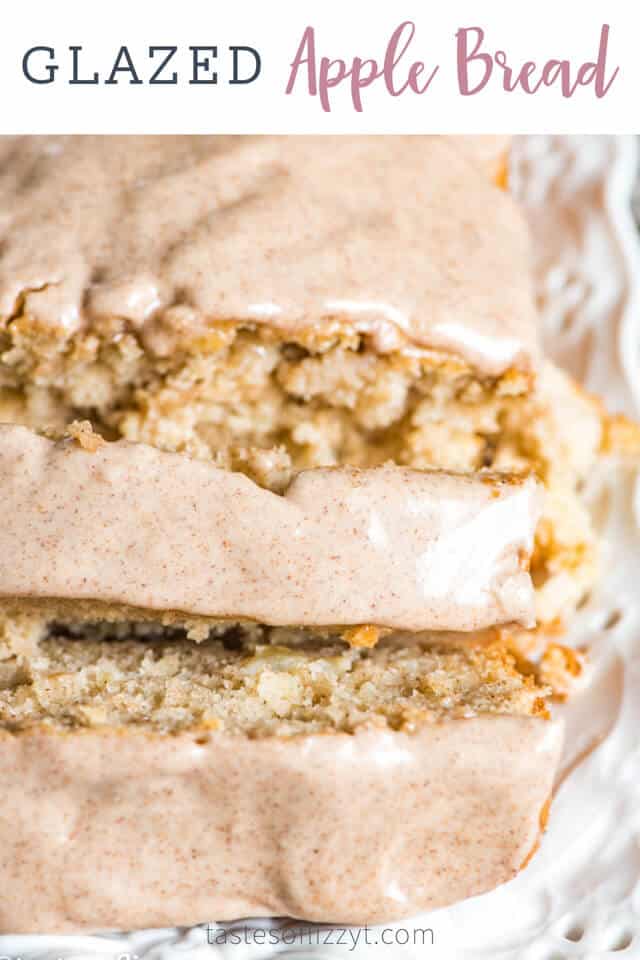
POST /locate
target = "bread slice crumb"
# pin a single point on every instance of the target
(294, 684)
(561, 669)
(83, 433)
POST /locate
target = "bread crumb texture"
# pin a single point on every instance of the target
(258, 682)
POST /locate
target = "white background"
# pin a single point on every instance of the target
(344, 28)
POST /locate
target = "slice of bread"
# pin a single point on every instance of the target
(151, 782)
(115, 530)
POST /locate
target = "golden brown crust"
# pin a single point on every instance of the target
(561, 669)
(543, 820)
(621, 437)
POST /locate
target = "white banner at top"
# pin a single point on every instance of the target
(331, 66)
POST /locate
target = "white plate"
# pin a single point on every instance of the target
(580, 896)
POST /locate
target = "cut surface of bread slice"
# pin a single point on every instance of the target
(355, 277)
(155, 782)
